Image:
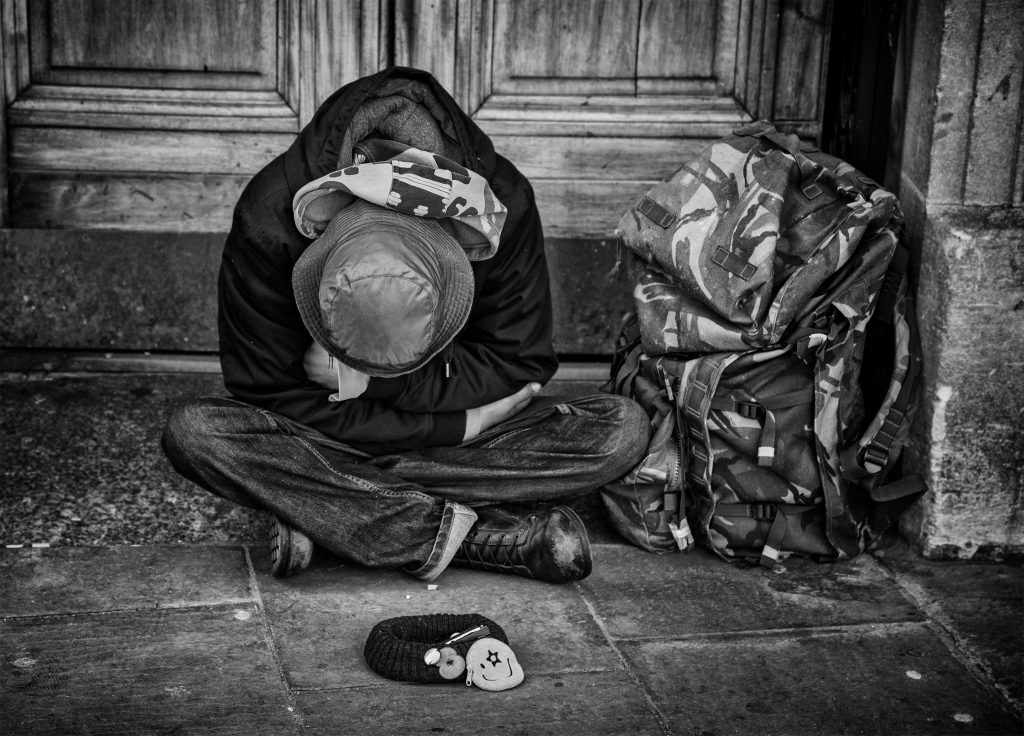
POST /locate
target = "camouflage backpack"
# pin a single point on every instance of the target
(775, 348)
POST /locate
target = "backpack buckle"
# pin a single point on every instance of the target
(763, 511)
(750, 410)
(875, 458)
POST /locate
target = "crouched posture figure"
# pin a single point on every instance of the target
(385, 326)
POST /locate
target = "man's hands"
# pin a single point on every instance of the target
(318, 367)
(484, 417)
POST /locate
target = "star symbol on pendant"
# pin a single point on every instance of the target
(493, 658)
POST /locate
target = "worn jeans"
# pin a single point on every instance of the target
(396, 510)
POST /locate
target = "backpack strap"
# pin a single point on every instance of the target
(778, 514)
(873, 458)
(810, 170)
(626, 358)
(878, 450)
(892, 499)
(696, 393)
(763, 412)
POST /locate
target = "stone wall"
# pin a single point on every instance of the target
(957, 163)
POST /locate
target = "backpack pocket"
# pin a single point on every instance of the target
(647, 505)
(754, 474)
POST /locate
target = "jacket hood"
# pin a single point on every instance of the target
(400, 104)
(412, 182)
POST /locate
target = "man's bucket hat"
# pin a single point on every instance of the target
(381, 291)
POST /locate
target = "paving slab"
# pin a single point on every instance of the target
(878, 679)
(594, 704)
(35, 582)
(696, 592)
(198, 671)
(320, 619)
(980, 603)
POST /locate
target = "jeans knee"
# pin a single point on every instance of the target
(194, 427)
(634, 431)
(625, 434)
(184, 427)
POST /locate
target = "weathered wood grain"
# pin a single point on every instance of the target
(425, 33)
(562, 157)
(182, 43)
(473, 70)
(800, 60)
(611, 116)
(346, 40)
(155, 203)
(196, 35)
(581, 46)
(587, 209)
(16, 65)
(677, 38)
(171, 152)
(132, 109)
(569, 207)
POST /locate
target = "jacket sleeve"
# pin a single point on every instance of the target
(263, 340)
(506, 342)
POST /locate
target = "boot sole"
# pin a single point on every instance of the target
(290, 550)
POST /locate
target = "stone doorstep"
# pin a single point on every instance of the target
(41, 362)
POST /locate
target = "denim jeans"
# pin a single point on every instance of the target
(396, 510)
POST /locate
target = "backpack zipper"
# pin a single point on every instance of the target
(681, 527)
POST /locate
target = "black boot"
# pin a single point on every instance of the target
(550, 544)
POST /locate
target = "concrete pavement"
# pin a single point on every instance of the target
(201, 639)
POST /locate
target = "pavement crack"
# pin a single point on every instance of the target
(637, 682)
(268, 636)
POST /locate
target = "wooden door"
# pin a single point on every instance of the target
(132, 126)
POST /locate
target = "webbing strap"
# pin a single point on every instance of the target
(766, 443)
(623, 378)
(890, 289)
(779, 514)
(892, 499)
(782, 401)
(763, 411)
(878, 456)
(912, 485)
(694, 403)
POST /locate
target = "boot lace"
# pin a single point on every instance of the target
(484, 554)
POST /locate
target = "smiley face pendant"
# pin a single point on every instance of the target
(492, 665)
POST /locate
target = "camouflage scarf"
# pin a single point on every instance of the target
(412, 182)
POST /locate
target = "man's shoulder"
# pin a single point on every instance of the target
(263, 213)
(513, 189)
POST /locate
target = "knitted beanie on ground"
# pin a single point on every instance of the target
(395, 646)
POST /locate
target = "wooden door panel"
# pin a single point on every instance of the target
(677, 38)
(577, 46)
(195, 44)
(142, 95)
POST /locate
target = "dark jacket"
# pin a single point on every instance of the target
(505, 344)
